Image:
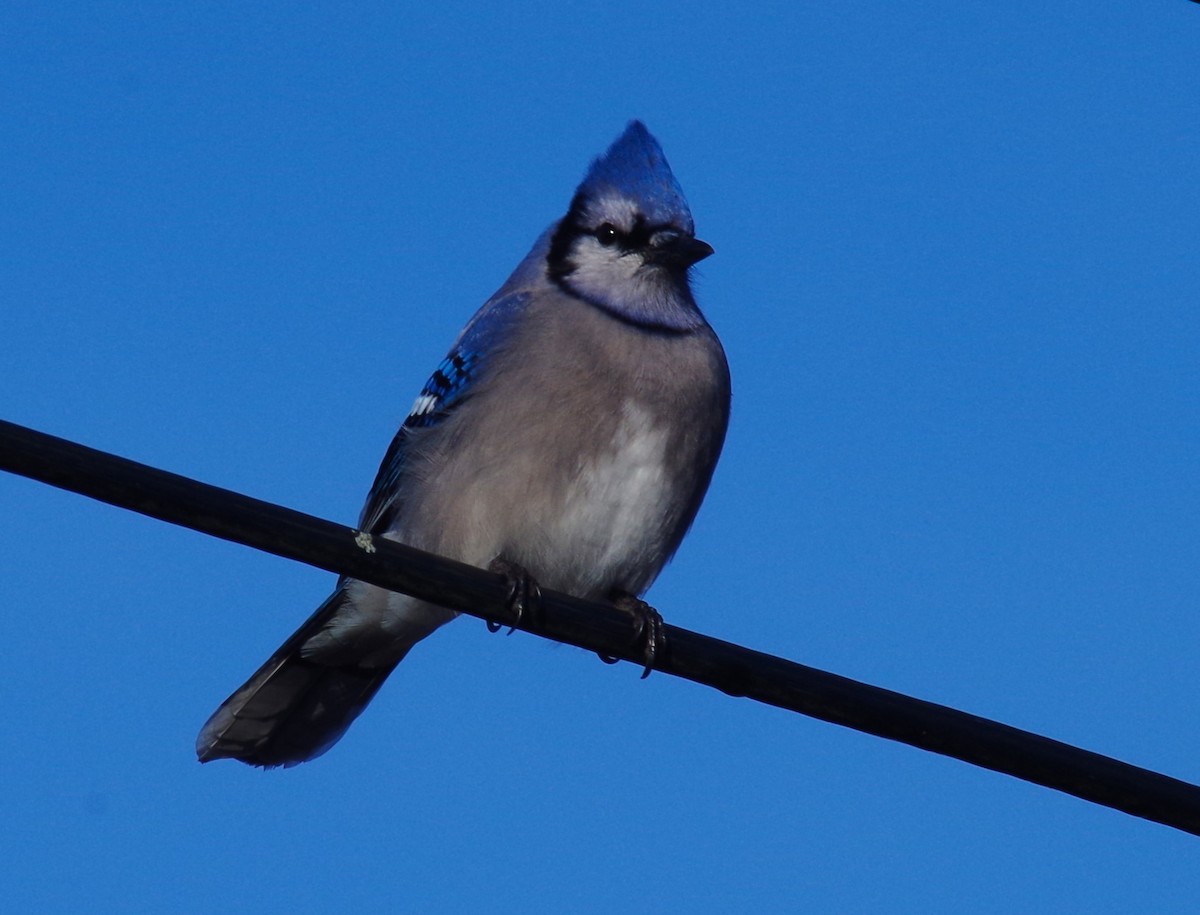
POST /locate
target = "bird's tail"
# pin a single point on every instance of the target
(294, 708)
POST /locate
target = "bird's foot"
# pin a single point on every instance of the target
(524, 594)
(650, 634)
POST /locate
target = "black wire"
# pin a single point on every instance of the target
(600, 628)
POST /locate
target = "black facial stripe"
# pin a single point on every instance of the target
(557, 261)
(573, 227)
(639, 236)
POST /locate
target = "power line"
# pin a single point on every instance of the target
(601, 628)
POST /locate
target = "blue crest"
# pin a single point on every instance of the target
(634, 167)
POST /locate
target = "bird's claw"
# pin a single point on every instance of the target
(524, 594)
(651, 631)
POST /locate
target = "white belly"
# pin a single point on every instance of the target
(615, 516)
(607, 528)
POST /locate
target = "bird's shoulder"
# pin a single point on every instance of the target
(451, 384)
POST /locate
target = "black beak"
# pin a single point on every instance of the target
(681, 252)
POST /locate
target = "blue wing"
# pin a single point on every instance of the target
(448, 388)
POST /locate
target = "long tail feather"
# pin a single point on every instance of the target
(294, 708)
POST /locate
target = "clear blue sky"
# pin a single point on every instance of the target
(956, 276)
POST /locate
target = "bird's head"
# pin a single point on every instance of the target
(628, 242)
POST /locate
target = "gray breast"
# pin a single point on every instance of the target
(582, 456)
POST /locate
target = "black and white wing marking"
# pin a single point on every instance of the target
(448, 388)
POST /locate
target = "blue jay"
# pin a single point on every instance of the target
(569, 437)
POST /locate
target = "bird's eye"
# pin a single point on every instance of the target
(607, 235)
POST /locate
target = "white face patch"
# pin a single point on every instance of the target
(601, 268)
(606, 272)
(624, 281)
